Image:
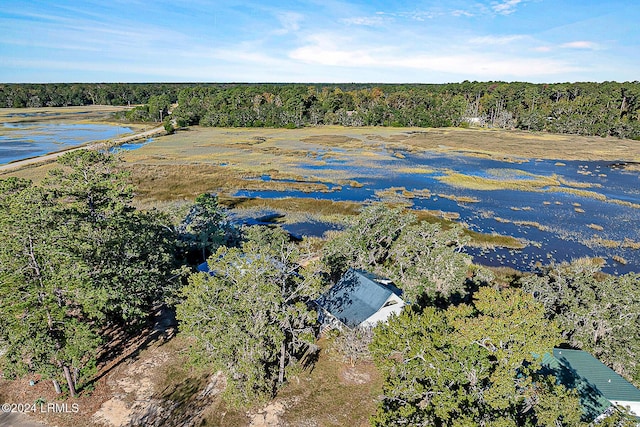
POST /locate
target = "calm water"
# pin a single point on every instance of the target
(565, 218)
(23, 140)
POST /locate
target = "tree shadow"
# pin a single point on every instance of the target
(126, 343)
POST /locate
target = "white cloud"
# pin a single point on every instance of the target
(290, 22)
(506, 7)
(332, 51)
(419, 16)
(325, 49)
(369, 21)
(582, 44)
(489, 67)
(460, 12)
(496, 40)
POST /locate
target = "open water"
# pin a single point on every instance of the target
(30, 139)
(556, 226)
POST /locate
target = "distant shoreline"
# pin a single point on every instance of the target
(91, 145)
(94, 114)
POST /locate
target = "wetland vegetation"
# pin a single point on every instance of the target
(330, 169)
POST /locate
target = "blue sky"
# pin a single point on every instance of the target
(319, 41)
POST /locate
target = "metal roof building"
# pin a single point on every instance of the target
(597, 385)
(361, 299)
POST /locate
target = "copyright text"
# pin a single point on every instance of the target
(45, 408)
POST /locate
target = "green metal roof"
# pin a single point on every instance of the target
(597, 384)
(610, 384)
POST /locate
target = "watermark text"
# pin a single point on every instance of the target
(43, 408)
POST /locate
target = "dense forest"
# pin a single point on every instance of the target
(603, 109)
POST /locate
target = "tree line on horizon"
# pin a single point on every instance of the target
(584, 108)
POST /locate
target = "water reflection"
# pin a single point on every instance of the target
(23, 140)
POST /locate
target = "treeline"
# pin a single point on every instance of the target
(79, 94)
(604, 109)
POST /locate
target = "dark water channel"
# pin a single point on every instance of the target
(557, 226)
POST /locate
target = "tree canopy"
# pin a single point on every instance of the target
(250, 316)
(598, 313)
(471, 365)
(423, 259)
(74, 256)
(584, 108)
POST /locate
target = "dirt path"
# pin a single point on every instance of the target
(17, 420)
(91, 146)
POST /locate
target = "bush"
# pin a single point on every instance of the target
(168, 126)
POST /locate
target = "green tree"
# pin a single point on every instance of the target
(43, 292)
(423, 259)
(206, 227)
(74, 257)
(471, 365)
(428, 262)
(367, 241)
(596, 312)
(158, 107)
(129, 253)
(250, 317)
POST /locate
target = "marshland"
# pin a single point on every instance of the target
(527, 198)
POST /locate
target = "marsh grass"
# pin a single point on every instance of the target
(532, 183)
(612, 244)
(180, 181)
(624, 203)
(579, 192)
(325, 208)
(578, 184)
(415, 170)
(81, 114)
(497, 144)
(630, 244)
(423, 193)
(394, 194)
(490, 241)
(523, 223)
(619, 259)
(459, 199)
(35, 172)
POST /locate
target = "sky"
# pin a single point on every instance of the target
(329, 41)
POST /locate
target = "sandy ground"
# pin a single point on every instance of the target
(8, 419)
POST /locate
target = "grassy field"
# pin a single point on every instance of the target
(258, 150)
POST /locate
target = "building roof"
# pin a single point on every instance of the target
(597, 385)
(610, 384)
(357, 296)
